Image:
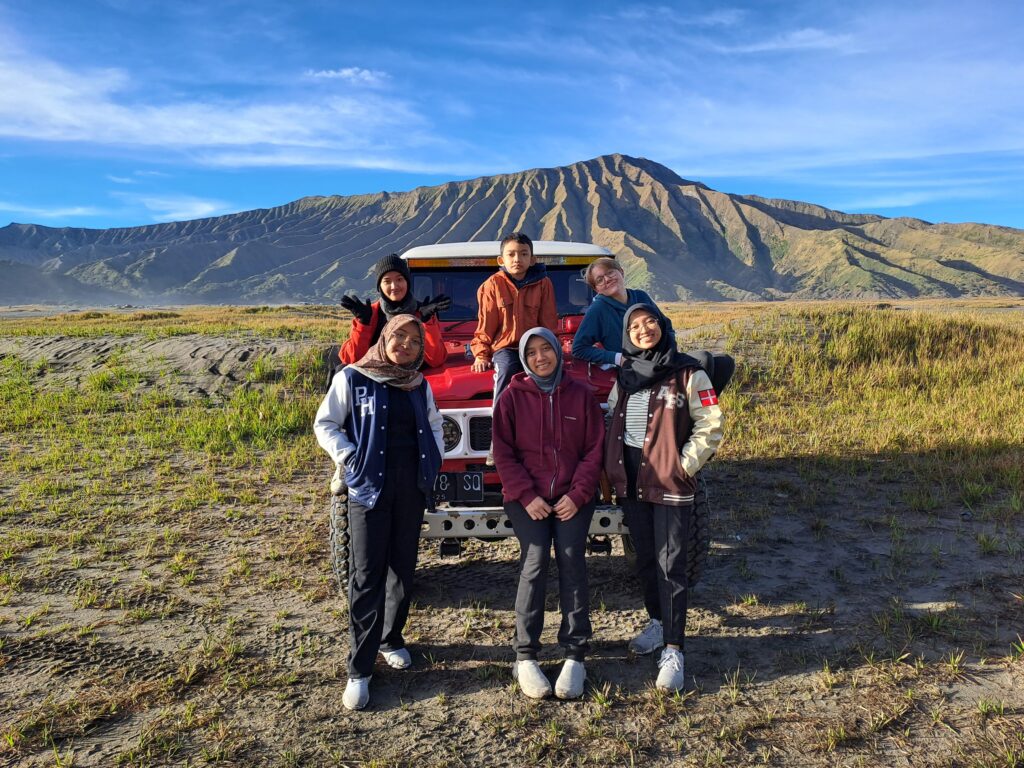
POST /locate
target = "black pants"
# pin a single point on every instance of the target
(506, 364)
(570, 540)
(384, 543)
(660, 535)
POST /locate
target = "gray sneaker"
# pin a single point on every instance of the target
(649, 640)
(357, 693)
(397, 659)
(569, 684)
(338, 486)
(531, 678)
(671, 676)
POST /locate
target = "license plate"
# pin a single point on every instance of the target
(459, 486)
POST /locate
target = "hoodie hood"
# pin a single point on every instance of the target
(544, 383)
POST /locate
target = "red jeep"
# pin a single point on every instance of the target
(468, 492)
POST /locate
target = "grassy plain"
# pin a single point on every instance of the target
(165, 596)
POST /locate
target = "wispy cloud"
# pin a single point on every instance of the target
(913, 197)
(806, 39)
(355, 75)
(722, 17)
(59, 212)
(121, 179)
(182, 207)
(274, 157)
(42, 100)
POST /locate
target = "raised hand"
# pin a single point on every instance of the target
(361, 310)
(431, 306)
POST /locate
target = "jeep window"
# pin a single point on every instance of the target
(572, 294)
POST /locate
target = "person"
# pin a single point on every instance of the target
(380, 425)
(599, 337)
(392, 279)
(518, 296)
(548, 436)
(665, 424)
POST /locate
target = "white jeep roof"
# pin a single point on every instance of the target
(492, 249)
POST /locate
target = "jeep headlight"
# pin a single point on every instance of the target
(452, 433)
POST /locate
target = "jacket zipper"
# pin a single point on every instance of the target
(554, 448)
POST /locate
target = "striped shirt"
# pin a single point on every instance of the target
(637, 416)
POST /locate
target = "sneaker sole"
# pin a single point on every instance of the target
(535, 697)
(566, 695)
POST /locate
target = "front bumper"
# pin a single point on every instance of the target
(491, 522)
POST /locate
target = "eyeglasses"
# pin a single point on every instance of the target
(647, 323)
(604, 277)
(401, 337)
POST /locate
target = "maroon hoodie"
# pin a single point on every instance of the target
(548, 445)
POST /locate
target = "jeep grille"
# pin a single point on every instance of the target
(480, 433)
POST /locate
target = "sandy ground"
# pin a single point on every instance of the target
(794, 632)
(191, 365)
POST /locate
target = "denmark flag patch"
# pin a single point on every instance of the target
(708, 397)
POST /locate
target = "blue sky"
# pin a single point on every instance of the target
(130, 112)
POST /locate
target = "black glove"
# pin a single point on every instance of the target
(429, 307)
(361, 310)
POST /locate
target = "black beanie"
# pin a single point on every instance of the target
(390, 263)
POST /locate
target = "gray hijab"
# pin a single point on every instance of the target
(544, 383)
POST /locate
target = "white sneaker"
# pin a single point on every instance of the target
(569, 684)
(671, 677)
(649, 640)
(338, 481)
(399, 659)
(357, 693)
(532, 680)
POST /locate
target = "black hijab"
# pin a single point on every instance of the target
(643, 368)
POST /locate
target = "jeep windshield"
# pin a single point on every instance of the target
(572, 294)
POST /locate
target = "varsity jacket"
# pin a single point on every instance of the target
(603, 325)
(548, 444)
(507, 312)
(352, 425)
(361, 339)
(684, 429)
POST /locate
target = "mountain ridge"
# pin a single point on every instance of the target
(678, 239)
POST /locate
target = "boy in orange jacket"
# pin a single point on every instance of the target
(518, 297)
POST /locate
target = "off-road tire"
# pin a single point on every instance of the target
(699, 544)
(340, 542)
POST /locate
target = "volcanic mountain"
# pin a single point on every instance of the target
(678, 239)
